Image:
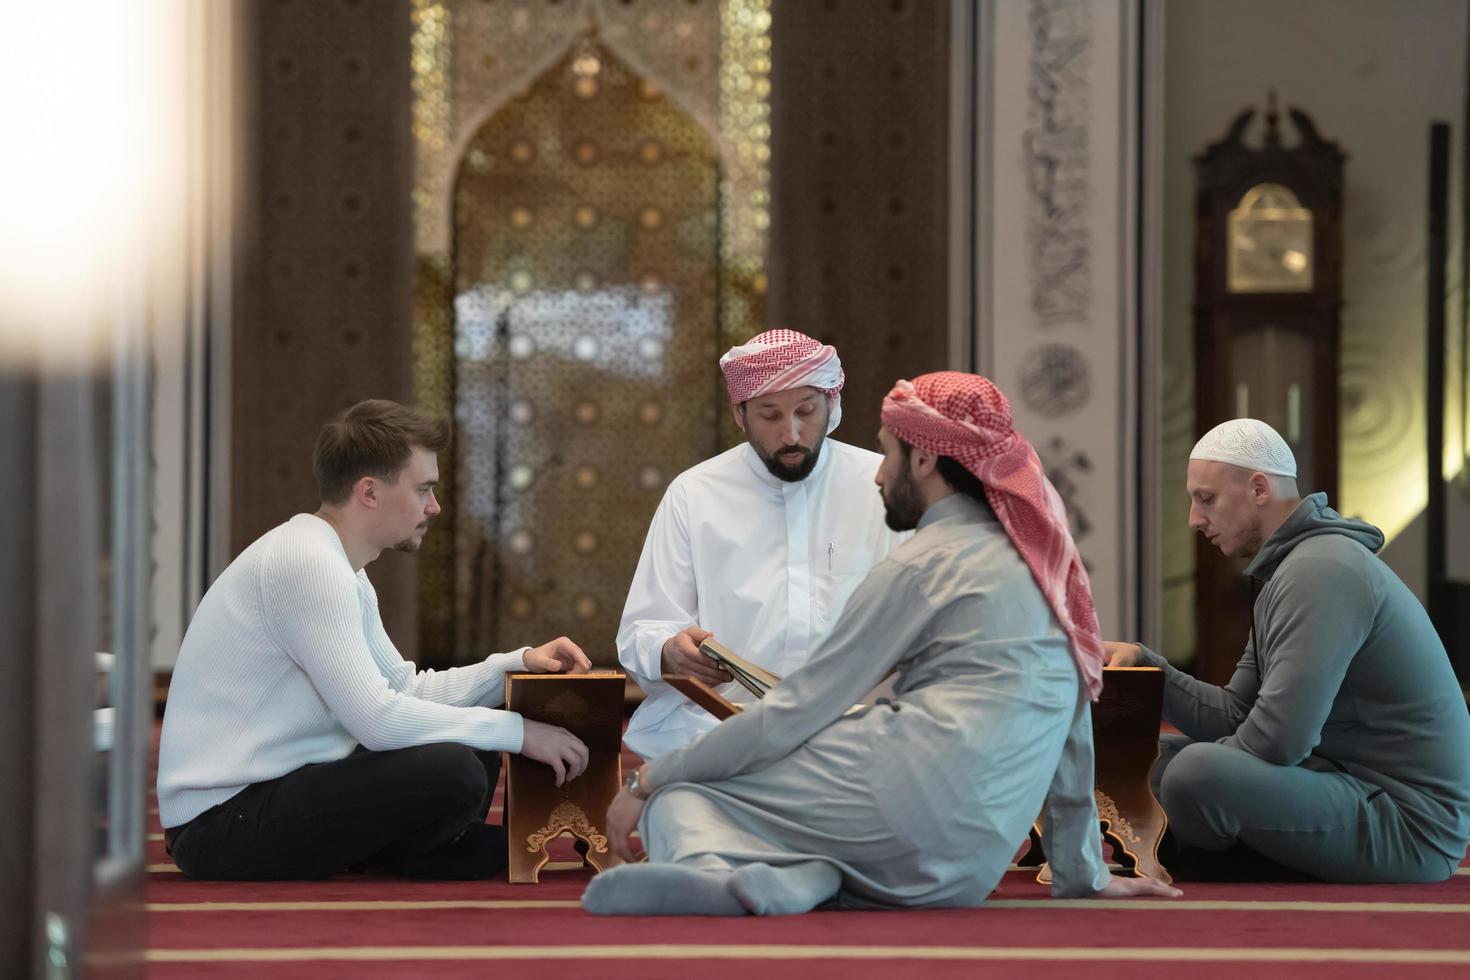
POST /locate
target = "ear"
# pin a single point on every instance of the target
(365, 492)
(922, 463)
(737, 412)
(1260, 488)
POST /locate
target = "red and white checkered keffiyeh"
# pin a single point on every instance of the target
(965, 417)
(779, 360)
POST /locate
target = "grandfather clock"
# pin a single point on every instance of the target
(1268, 294)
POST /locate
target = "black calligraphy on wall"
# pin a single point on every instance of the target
(1055, 380)
(1068, 468)
(1055, 143)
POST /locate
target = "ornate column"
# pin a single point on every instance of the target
(1056, 261)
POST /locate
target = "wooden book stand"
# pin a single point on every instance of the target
(1125, 736)
(537, 811)
(703, 695)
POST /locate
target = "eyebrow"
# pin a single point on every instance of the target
(762, 406)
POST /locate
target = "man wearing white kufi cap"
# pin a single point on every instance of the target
(1341, 746)
(1248, 444)
(760, 546)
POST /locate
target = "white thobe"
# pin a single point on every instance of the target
(763, 564)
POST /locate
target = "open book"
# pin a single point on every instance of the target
(756, 680)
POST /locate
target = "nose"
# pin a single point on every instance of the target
(433, 507)
(795, 429)
(1196, 520)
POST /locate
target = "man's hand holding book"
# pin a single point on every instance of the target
(681, 655)
(756, 680)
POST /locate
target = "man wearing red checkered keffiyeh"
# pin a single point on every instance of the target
(965, 418)
(922, 798)
(759, 546)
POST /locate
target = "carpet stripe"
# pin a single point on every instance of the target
(789, 952)
(1220, 905)
(1038, 904)
(365, 905)
(1013, 869)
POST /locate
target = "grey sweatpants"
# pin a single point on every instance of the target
(1329, 825)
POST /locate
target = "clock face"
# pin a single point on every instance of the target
(1270, 243)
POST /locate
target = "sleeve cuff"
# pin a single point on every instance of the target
(649, 646)
(516, 735)
(1151, 659)
(515, 662)
(663, 770)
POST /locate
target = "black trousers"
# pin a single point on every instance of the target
(417, 812)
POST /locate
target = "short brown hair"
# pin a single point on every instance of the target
(372, 438)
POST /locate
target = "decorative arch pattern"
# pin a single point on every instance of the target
(586, 327)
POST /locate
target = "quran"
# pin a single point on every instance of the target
(756, 680)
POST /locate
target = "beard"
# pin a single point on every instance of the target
(413, 542)
(791, 472)
(902, 504)
(1250, 544)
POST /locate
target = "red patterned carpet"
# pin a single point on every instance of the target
(372, 927)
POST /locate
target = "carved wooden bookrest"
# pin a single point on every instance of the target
(537, 811)
(703, 695)
(1125, 735)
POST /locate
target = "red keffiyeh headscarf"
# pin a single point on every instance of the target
(779, 360)
(965, 417)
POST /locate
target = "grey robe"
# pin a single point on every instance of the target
(922, 801)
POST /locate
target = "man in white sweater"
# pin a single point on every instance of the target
(297, 742)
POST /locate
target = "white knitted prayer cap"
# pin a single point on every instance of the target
(1248, 443)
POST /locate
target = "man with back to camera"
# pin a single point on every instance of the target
(921, 799)
(297, 742)
(1341, 746)
(759, 546)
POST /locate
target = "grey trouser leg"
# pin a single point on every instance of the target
(682, 827)
(1169, 747)
(1329, 825)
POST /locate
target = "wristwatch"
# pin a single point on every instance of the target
(634, 784)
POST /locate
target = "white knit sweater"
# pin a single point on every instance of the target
(286, 663)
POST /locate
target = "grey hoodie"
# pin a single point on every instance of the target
(1343, 672)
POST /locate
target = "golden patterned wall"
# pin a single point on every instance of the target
(591, 209)
(586, 322)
